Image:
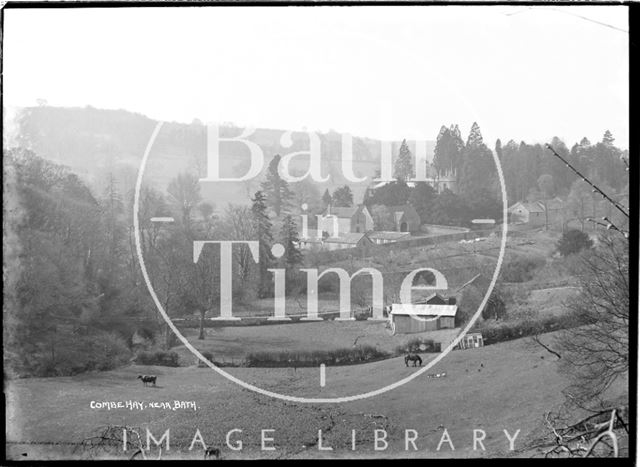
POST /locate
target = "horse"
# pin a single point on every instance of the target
(414, 357)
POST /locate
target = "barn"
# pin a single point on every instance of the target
(408, 318)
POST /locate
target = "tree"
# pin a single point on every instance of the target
(470, 300)
(478, 172)
(292, 255)
(184, 192)
(276, 190)
(382, 218)
(391, 194)
(206, 209)
(262, 227)
(422, 198)
(546, 185)
(403, 168)
(495, 307)
(573, 241)
(580, 197)
(448, 150)
(342, 197)
(326, 198)
(306, 192)
(595, 352)
(449, 209)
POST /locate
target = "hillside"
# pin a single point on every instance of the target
(93, 142)
(504, 386)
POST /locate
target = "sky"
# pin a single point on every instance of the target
(385, 72)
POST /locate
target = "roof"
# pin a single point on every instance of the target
(387, 235)
(410, 309)
(531, 207)
(431, 297)
(342, 212)
(351, 238)
(381, 184)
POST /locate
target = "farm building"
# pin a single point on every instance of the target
(471, 340)
(533, 214)
(407, 318)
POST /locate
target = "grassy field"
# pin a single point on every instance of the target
(505, 386)
(234, 343)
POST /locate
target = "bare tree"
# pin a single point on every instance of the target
(596, 352)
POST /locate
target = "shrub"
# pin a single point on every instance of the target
(208, 356)
(99, 351)
(573, 241)
(159, 357)
(521, 268)
(492, 334)
(417, 344)
(342, 356)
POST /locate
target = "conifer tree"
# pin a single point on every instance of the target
(326, 198)
(292, 255)
(404, 166)
(276, 190)
(262, 225)
(478, 171)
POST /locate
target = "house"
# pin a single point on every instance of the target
(405, 217)
(348, 240)
(408, 318)
(382, 237)
(354, 219)
(444, 181)
(313, 240)
(537, 213)
(471, 340)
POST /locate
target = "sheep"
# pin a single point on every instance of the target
(146, 379)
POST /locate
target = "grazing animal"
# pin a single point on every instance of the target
(212, 453)
(414, 357)
(146, 379)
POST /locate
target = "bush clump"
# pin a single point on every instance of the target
(417, 344)
(159, 357)
(521, 268)
(98, 351)
(343, 356)
(208, 356)
(493, 334)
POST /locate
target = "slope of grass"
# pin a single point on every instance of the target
(505, 386)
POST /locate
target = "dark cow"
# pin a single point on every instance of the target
(212, 453)
(146, 379)
(413, 357)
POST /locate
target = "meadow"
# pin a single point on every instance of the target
(505, 386)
